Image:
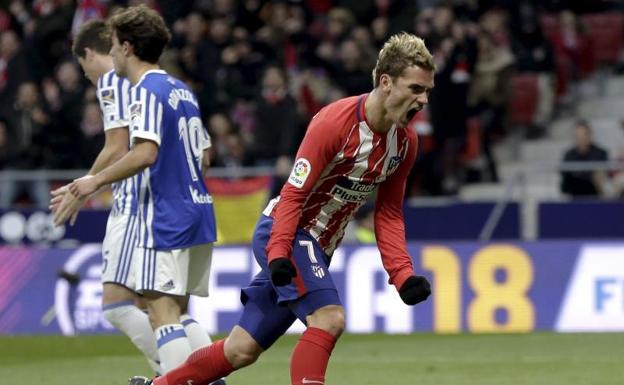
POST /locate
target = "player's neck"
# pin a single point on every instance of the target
(138, 69)
(374, 110)
(104, 64)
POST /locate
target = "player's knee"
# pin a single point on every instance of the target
(241, 354)
(163, 311)
(329, 318)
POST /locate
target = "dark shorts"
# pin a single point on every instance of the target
(269, 310)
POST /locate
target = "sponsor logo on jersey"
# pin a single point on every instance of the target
(198, 197)
(300, 172)
(352, 191)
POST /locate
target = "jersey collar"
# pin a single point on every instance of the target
(158, 71)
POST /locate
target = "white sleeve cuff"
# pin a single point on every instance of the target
(145, 135)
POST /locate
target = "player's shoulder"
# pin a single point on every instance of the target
(106, 80)
(161, 84)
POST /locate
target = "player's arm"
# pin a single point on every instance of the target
(319, 146)
(142, 155)
(145, 134)
(390, 233)
(115, 147)
(205, 165)
(114, 110)
(66, 206)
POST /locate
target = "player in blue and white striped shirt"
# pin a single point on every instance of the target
(91, 47)
(176, 225)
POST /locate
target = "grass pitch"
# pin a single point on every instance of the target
(417, 359)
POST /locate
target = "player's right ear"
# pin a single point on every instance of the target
(385, 82)
(88, 54)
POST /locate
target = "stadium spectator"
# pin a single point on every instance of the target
(93, 137)
(14, 68)
(455, 52)
(534, 54)
(165, 126)
(573, 54)
(29, 125)
(4, 144)
(489, 95)
(584, 183)
(349, 70)
(337, 169)
(278, 125)
(65, 95)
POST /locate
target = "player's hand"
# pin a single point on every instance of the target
(67, 208)
(414, 290)
(85, 186)
(57, 197)
(282, 271)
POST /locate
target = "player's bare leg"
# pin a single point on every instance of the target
(118, 304)
(310, 357)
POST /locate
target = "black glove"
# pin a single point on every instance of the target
(282, 271)
(414, 290)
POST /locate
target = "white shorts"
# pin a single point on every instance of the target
(117, 250)
(174, 272)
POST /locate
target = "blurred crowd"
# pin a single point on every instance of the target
(263, 68)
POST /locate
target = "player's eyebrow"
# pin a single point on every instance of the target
(415, 87)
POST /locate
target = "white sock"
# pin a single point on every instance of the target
(131, 321)
(173, 346)
(197, 336)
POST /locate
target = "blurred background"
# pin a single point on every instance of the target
(516, 194)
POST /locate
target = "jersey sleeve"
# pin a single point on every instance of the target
(389, 222)
(114, 99)
(146, 113)
(319, 146)
(206, 142)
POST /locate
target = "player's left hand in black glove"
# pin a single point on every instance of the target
(414, 290)
(282, 271)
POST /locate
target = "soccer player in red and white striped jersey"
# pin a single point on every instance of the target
(352, 147)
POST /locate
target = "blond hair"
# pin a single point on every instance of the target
(399, 52)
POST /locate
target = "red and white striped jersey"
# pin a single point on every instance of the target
(340, 163)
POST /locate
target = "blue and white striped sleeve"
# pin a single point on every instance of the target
(146, 113)
(112, 93)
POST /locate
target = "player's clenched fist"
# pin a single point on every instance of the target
(415, 289)
(282, 271)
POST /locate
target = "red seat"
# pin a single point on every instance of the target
(607, 32)
(524, 97)
(472, 148)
